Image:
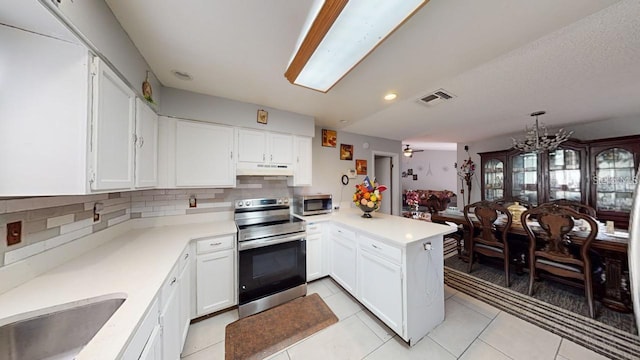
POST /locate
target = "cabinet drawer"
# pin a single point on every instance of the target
(314, 228)
(388, 252)
(169, 285)
(215, 243)
(343, 233)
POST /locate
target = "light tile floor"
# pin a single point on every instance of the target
(471, 330)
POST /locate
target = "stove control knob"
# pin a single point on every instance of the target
(239, 204)
(247, 202)
(279, 201)
(286, 200)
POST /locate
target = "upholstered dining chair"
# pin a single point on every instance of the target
(484, 237)
(575, 205)
(552, 250)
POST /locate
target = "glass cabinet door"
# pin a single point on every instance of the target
(565, 175)
(614, 179)
(493, 180)
(524, 181)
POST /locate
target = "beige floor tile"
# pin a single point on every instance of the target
(397, 349)
(460, 328)
(572, 351)
(279, 356)
(213, 352)
(449, 291)
(348, 339)
(377, 326)
(319, 287)
(479, 350)
(477, 305)
(342, 305)
(332, 285)
(208, 332)
(519, 339)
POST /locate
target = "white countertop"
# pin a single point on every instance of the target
(133, 265)
(398, 230)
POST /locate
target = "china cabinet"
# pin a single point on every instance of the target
(600, 173)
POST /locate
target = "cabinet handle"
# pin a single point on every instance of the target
(271, 159)
(173, 281)
(263, 157)
(186, 256)
(141, 142)
(232, 155)
(215, 244)
(374, 246)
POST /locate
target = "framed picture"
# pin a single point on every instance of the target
(409, 171)
(346, 152)
(361, 167)
(263, 116)
(404, 174)
(415, 176)
(329, 138)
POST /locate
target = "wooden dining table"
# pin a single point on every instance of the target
(614, 293)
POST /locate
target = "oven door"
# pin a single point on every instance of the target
(269, 266)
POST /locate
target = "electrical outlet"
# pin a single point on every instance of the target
(14, 233)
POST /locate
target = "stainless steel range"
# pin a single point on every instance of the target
(272, 262)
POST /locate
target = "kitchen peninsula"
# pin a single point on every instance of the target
(394, 267)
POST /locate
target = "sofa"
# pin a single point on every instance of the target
(431, 200)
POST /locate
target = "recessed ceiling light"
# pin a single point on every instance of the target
(390, 96)
(182, 75)
(343, 121)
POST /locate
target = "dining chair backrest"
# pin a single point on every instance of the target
(575, 205)
(556, 223)
(487, 213)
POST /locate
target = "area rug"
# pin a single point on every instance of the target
(604, 339)
(263, 334)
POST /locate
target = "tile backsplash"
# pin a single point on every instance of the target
(48, 222)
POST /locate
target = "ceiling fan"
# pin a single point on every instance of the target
(408, 151)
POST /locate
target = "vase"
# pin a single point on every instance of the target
(367, 210)
(516, 210)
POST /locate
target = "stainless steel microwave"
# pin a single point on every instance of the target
(312, 204)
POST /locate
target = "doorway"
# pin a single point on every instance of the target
(384, 171)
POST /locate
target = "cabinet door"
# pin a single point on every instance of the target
(204, 155)
(146, 146)
(113, 129)
(215, 281)
(252, 146)
(170, 322)
(380, 287)
(185, 302)
(314, 256)
(525, 184)
(343, 262)
(153, 348)
(302, 171)
(281, 149)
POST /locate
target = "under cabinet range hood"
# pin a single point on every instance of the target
(264, 169)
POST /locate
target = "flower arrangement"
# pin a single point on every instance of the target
(368, 196)
(465, 173)
(412, 199)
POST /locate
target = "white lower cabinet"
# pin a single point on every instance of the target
(315, 251)
(380, 285)
(184, 283)
(170, 320)
(215, 274)
(342, 250)
(153, 348)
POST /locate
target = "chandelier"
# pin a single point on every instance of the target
(537, 139)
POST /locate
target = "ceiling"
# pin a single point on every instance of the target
(502, 59)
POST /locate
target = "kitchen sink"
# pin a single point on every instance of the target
(56, 335)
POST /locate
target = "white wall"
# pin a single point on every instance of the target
(193, 106)
(435, 170)
(587, 131)
(328, 168)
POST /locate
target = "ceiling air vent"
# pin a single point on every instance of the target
(437, 97)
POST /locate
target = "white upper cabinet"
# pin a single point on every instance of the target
(203, 154)
(43, 115)
(113, 120)
(303, 162)
(264, 153)
(146, 146)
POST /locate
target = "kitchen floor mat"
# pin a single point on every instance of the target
(265, 333)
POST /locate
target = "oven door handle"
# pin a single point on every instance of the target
(246, 245)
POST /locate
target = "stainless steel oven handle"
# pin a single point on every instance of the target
(252, 244)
